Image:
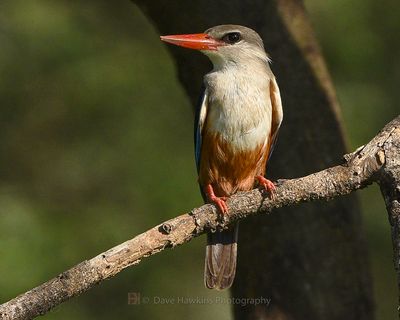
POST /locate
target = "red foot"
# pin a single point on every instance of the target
(266, 184)
(220, 202)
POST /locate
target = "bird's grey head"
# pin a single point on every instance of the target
(238, 44)
(225, 44)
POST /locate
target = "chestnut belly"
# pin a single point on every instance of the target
(229, 169)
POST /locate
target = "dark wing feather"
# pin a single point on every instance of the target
(200, 116)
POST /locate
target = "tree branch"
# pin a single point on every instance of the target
(377, 161)
(390, 187)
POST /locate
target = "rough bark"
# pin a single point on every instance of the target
(378, 161)
(311, 260)
(390, 187)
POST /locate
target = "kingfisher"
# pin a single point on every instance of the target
(236, 127)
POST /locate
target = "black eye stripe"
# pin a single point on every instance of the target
(232, 37)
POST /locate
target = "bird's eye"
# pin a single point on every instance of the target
(232, 37)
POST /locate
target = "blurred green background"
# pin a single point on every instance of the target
(96, 145)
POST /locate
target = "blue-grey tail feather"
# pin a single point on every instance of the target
(221, 256)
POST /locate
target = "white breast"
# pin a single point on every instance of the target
(239, 107)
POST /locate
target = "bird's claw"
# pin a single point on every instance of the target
(267, 185)
(220, 202)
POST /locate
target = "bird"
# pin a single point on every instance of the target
(236, 127)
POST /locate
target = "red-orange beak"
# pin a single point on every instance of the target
(197, 41)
